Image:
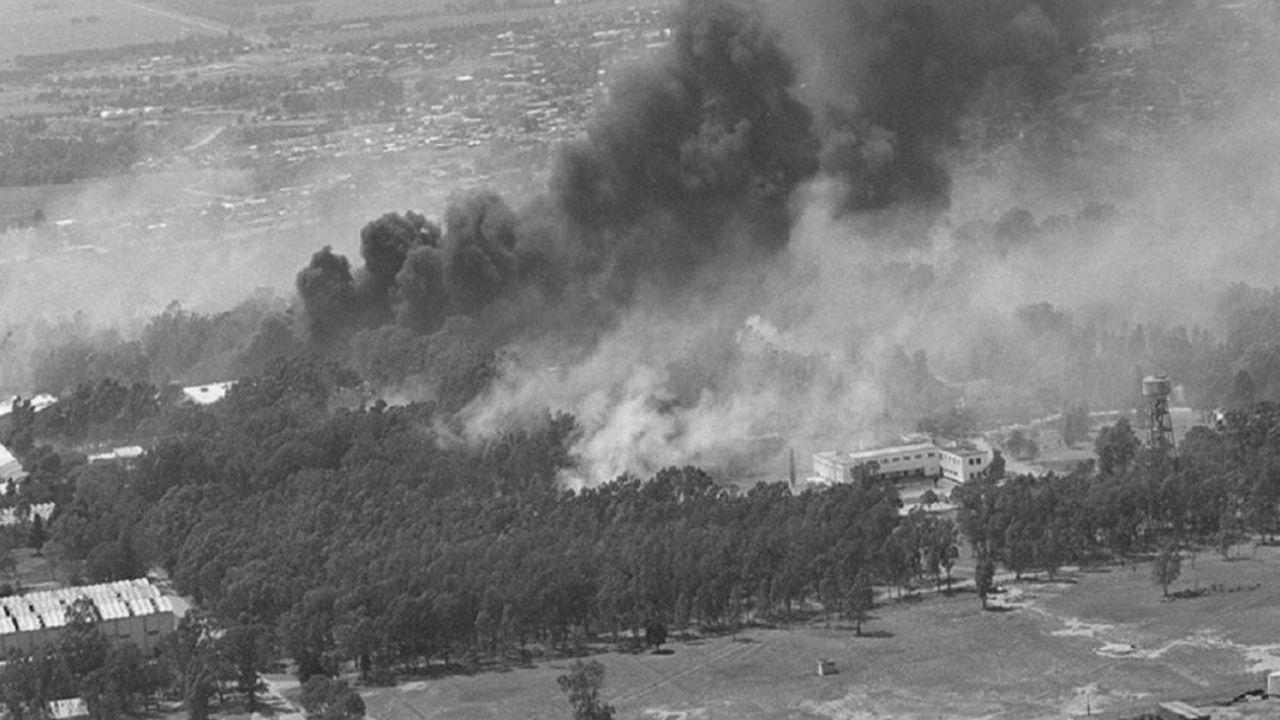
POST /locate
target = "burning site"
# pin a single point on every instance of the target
(408, 346)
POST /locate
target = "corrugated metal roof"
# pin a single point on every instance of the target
(126, 598)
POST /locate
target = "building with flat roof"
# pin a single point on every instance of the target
(897, 461)
(963, 461)
(958, 461)
(130, 611)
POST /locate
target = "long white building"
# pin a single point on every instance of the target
(958, 461)
(897, 461)
(131, 611)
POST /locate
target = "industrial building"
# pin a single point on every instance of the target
(898, 461)
(963, 461)
(130, 610)
(915, 458)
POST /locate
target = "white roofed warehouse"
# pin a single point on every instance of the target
(131, 611)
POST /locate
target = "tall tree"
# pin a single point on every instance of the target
(984, 578)
(1116, 447)
(1166, 567)
(582, 684)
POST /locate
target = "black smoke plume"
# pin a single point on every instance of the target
(384, 245)
(694, 155)
(479, 251)
(890, 81)
(692, 162)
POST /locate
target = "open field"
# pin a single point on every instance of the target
(1102, 640)
(333, 10)
(94, 198)
(416, 21)
(32, 27)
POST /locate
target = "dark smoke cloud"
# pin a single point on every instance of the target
(890, 80)
(693, 159)
(692, 163)
(479, 251)
(386, 242)
(694, 155)
(421, 282)
(328, 296)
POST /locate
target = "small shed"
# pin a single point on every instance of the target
(826, 667)
(1273, 684)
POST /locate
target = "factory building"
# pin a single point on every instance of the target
(963, 461)
(130, 611)
(898, 461)
(915, 458)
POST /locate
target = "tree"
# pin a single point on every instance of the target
(245, 649)
(582, 684)
(121, 686)
(325, 698)
(1243, 390)
(1167, 567)
(82, 645)
(655, 634)
(190, 656)
(37, 537)
(1020, 446)
(984, 576)
(1075, 424)
(861, 600)
(29, 682)
(1116, 447)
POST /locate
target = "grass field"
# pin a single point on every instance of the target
(1103, 640)
(330, 10)
(32, 27)
(99, 197)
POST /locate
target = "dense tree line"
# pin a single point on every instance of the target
(39, 159)
(365, 538)
(175, 346)
(1219, 488)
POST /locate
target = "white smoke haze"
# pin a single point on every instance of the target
(695, 379)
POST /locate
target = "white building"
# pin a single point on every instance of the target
(10, 516)
(131, 611)
(898, 461)
(963, 461)
(959, 461)
(207, 394)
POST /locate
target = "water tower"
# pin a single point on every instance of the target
(1156, 390)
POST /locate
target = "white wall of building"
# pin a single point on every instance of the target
(959, 462)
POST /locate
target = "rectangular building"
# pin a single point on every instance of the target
(130, 611)
(919, 459)
(957, 461)
(963, 461)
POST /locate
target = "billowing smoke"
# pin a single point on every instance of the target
(694, 156)
(479, 251)
(890, 81)
(385, 243)
(623, 295)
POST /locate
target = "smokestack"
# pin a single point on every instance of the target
(792, 468)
